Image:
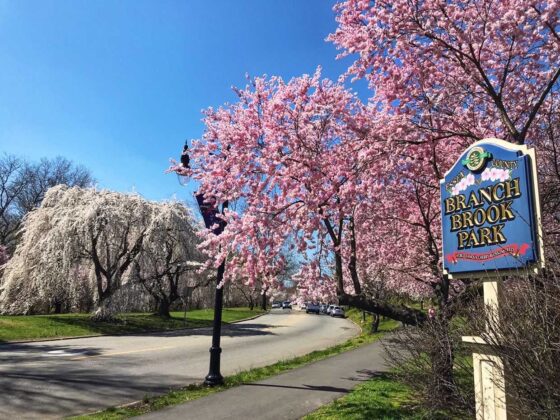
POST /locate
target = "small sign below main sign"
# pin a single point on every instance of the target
(490, 211)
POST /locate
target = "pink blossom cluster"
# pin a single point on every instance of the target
(463, 184)
(470, 69)
(495, 174)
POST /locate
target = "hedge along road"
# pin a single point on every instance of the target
(53, 379)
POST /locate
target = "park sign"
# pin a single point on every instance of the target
(490, 211)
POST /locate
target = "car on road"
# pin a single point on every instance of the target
(276, 305)
(338, 311)
(286, 305)
(312, 308)
(329, 309)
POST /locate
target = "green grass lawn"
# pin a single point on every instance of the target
(378, 398)
(382, 397)
(35, 327)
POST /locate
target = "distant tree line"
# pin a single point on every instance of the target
(23, 185)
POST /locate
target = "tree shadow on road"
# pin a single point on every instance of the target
(15, 353)
(366, 374)
(178, 329)
(61, 389)
(305, 387)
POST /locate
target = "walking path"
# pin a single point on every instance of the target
(290, 395)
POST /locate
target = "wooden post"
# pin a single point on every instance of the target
(489, 376)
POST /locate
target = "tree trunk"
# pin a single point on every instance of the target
(104, 311)
(406, 315)
(163, 308)
(263, 302)
(375, 323)
(352, 264)
(58, 307)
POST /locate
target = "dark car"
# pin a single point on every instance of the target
(312, 308)
(286, 305)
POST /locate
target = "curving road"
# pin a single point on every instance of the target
(53, 379)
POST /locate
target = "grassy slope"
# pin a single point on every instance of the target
(196, 391)
(384, 397)
(33, 327)
(379, 398)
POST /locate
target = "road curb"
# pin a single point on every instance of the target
(358, 325)
(249, 319)
(40, 340)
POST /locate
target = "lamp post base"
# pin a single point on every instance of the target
(214, 377)
(214, 380)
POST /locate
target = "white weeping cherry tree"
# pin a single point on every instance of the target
(81, 235)
(167, 268)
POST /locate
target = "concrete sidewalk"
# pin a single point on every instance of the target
(290, 395)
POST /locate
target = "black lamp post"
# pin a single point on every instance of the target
(209, 212)
(214, 376)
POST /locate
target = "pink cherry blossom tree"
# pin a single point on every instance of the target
(355, 187)
(447, 74)
(470, 69)
(299, 158)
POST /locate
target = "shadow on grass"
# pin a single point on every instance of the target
(380, 398)
(128, 324)
(358, 410)
(147, 325)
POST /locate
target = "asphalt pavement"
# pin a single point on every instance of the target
(54, 379)
(288, 396)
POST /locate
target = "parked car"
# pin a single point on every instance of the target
(329, 309)
(286, 305)
(312, 308)
(276, 305)
(338, 311)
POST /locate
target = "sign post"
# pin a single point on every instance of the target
(491, 228)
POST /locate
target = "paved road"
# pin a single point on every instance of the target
(58, 378)
(289, 396)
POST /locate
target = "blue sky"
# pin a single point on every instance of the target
(119, 85)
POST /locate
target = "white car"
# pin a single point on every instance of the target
(338, 311)
(329, 309)
(276, 305)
